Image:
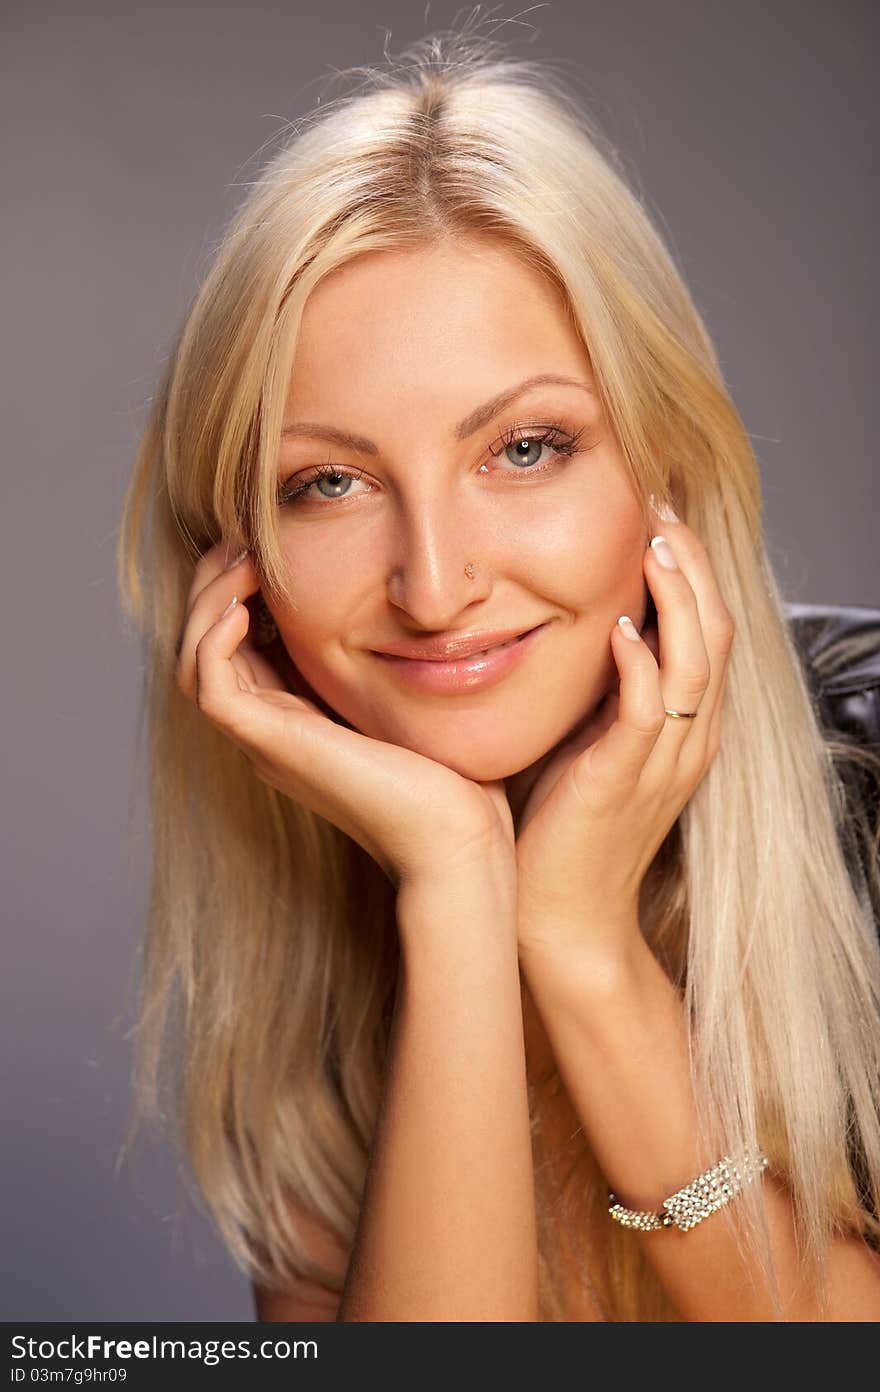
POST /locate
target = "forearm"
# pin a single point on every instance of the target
(619, 1034)
(447, 1229)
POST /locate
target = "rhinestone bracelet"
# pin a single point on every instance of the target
(690, 1205)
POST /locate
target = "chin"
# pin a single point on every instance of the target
(483, 768)
(482, 761)
(479, 748)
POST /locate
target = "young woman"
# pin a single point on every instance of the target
(501, 886)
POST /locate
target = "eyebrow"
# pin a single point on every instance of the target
(471, 423)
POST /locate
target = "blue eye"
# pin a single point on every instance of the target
(338, 480)
(526, 444)
(552, 435)
(335, 478)
(290, 492)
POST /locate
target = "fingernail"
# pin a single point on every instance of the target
(629, 628)
(663, 552)
(231, 605)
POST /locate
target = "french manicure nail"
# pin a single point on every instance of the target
(663, 551)
(629, 628)
(231, 605)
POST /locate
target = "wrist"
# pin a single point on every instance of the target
(475, 904)
(586, 958)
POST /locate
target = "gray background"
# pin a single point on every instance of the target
(128, 131)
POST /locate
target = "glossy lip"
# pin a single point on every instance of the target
(447, 649)
(465, 673)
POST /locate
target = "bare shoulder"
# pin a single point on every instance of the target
(854, 1281)
(307, 1300)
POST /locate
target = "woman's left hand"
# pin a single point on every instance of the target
(604, 804)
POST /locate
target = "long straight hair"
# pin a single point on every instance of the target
(271, 952)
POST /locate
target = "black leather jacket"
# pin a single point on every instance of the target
(840, 650)
(839, 647)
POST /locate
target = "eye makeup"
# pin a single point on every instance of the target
(555, 435)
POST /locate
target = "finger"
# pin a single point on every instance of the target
(594, 724)
(260, 671)
(713, 738)
(358, 783)
(217, 559)
(223, 676)
(217, 679)
(211, 596)
(272, 736)
(718, 631)
(652, 638)
(242, 665)
(684, 661)
(618, 758)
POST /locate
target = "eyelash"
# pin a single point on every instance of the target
(563, 442)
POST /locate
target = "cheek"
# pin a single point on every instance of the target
(322, 587)
(312, 618)
(590, 555)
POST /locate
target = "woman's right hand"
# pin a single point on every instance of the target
(417, 818)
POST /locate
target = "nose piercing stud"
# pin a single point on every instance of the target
(469, 571)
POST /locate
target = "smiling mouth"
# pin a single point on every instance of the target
(461, 658)
(484, 652)
(454, 653)
(465, 674)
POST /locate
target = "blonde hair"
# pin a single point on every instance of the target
(270, 958)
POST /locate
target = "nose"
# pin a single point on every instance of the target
(439, 570)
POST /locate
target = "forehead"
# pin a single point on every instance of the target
(455, 319)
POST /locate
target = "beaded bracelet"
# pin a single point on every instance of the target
(690, 1205)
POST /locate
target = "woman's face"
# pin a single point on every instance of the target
(404, 350)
